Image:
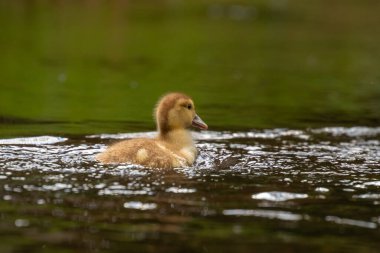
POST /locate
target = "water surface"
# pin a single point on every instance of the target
(268, 190)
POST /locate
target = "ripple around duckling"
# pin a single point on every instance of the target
(352, 132)
(239, 172)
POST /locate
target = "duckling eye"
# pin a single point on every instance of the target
(189, 106)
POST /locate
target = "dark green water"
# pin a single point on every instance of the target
(291, 93)
(249, 64)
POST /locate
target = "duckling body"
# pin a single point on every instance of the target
(176, 151)
(173, 146)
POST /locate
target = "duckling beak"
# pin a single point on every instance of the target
(198, 122)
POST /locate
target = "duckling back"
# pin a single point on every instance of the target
(147, 152)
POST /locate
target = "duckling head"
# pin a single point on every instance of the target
(177, 111)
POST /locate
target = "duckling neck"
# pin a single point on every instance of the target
(178, 137)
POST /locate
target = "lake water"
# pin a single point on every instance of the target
(289, 89)
(295, 190)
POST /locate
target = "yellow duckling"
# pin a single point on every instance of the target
(173, 147)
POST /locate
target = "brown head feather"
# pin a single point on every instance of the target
(163, 107)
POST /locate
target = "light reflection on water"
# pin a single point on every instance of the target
(278, 196)
(265, 214)
(316, 176)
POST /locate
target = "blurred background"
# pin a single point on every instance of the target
(95, 66)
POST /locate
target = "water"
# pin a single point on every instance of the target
(270, 190)
(100, 66)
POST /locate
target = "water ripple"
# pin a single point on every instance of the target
(278, 196)
(273, 174)
(265, 214)
(358, 223)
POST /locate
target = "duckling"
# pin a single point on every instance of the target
(172, 147)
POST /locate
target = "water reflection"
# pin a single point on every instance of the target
(278, 196)
(139, 205)
(351, 222)
(316, 178)
(270, 214)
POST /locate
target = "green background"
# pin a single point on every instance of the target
(74, 67)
